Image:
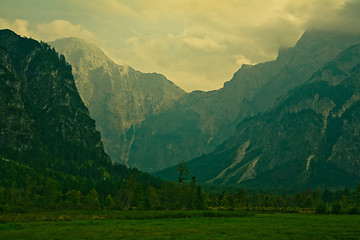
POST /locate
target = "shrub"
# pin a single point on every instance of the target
(321, 208)
(336, 208)
(354, 210)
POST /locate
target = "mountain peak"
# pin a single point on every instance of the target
(8, 37)
(76, 48)
(76, 43)
(119, 98)
(7, 32)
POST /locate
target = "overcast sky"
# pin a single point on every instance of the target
(198, 44)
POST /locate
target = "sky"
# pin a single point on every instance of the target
(197, 44)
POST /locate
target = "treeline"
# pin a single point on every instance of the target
(47, 194)
(23, 189)
(344, 201)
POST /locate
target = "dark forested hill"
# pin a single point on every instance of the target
(44, 122)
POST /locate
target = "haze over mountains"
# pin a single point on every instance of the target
(159, 128)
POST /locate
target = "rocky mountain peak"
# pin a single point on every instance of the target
(119, 98)
(82, 54)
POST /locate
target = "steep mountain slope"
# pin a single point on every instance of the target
(201, 121)
(309, 139)
(119, 98)
(43, 121)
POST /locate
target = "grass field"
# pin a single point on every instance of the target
(180, 225)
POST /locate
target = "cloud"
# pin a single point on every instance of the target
(344, 18)
(201, 38)
(107, 6)
(190, 62)
(205, 44)
(211, 39)
(241, 59)
(194, 43)
(50, 31)
(19, 26)
(62, 28)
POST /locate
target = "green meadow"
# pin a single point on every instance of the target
(178, 225)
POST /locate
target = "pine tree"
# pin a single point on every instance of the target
(183, 172)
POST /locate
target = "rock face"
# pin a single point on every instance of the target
(309, 138)
(119, 98)
(200, 121)
(43, 121)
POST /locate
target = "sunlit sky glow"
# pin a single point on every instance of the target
(198, 44)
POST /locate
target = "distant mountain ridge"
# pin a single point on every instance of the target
(310, 138)
(119, 98)
(201, 121)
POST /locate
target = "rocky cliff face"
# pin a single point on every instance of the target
(119, 98)
(43, 121)
(203, 120)
(308, 139)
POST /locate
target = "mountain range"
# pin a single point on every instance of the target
(203, 120)
(310, 138)
(281, 125)
(162, 126)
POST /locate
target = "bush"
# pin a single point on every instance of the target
(321, 208)
(354, 210)
(336, 208)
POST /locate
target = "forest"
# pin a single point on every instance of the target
(33, 191)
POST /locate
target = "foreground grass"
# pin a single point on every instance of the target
(186, 226)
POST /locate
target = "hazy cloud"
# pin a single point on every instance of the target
(198, 44)
(62, 28)
(228, 34)
(19, 26)
(50, 31)
(345, 18)
(205, 44)
(241, 59)
(109, 6)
